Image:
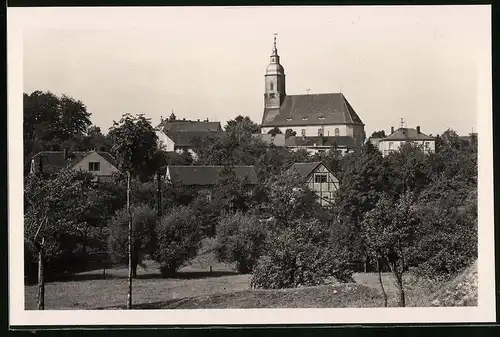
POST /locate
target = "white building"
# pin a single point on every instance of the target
(402, 135)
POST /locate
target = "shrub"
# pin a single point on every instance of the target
(240, 238)
(179, 238)
(143, 235)
(300, 255)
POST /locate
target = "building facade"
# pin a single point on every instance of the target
(397, 138)
(319, 179)
(101, 164)
(310, 115)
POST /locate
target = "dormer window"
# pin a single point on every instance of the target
(321, 117)
(304, 118)
(289, 118)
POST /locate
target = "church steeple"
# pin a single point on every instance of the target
(275, 80)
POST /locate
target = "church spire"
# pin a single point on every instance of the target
(275, 50)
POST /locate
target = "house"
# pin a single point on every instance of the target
(101, 164)
(180, 141)
(276, 140)
(319, 144)
(310, 115)
(203, 178)
(319, 179)
(185, 135)
(403, 135)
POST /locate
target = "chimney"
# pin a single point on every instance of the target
(65, 153)
(392, 130)
(418, 129)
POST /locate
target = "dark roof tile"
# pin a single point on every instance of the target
(208, 175)
(407, 134)
(190, 138)
(315, 109)
(179, 126)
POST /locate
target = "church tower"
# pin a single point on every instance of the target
(275, 81)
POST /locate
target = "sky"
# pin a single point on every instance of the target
(416, 63)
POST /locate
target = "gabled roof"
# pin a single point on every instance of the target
(183, 125)
(276, 140)
(190, 138)
(208, 175)
(319, 109)
(55, 160)
(330, 141)
(407, 134)
(305, 169)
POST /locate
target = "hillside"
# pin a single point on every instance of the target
(460, 291)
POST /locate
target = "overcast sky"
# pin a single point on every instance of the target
(416, 63)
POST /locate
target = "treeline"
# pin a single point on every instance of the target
(409, 211)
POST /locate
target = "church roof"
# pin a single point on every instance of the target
(197, 175)
(183, 125)
(406, 134)
(313, 109)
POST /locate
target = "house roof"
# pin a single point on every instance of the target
(196, 175)
(183, 125)
(56, 160)
(305, 169)
(314, 109)
(406, 134)
(330, 141)
(276, 140)
(190, 138)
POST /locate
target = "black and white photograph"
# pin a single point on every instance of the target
(250, 165)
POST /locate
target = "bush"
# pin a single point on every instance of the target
(300, 255)
(179, 238)
(143, 235)
(240, 238)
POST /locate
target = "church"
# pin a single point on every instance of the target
(325, 116)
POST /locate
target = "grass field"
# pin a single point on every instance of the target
(196, 287)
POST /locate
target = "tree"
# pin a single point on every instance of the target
(144, 237)
(378, 134)
(364, 175)
(179, 238)
(274, 131)
(288, 199)
(51, 219)
(94, 139)
(290, 133)
(240, 238)
(242, 125)
(389, 233)
(134, 145)
(50, 122)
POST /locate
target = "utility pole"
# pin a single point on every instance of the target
(41, 280)
(129, 295)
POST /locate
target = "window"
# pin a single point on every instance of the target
(303, 132)
(272, 95)
(391, 145)
(271, 86)
(320, 178)
(337, 132)
(320, 132)
(94, 166)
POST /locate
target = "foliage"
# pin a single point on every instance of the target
(134, 144)
(389, 232)
(179, 238)
(51, 122)
(302, 254)
(275, 131)
(231, 193)
(290, 133)
(143, 235)
(240, 238)
(378, 134)
(242, 125)
(289, 199)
